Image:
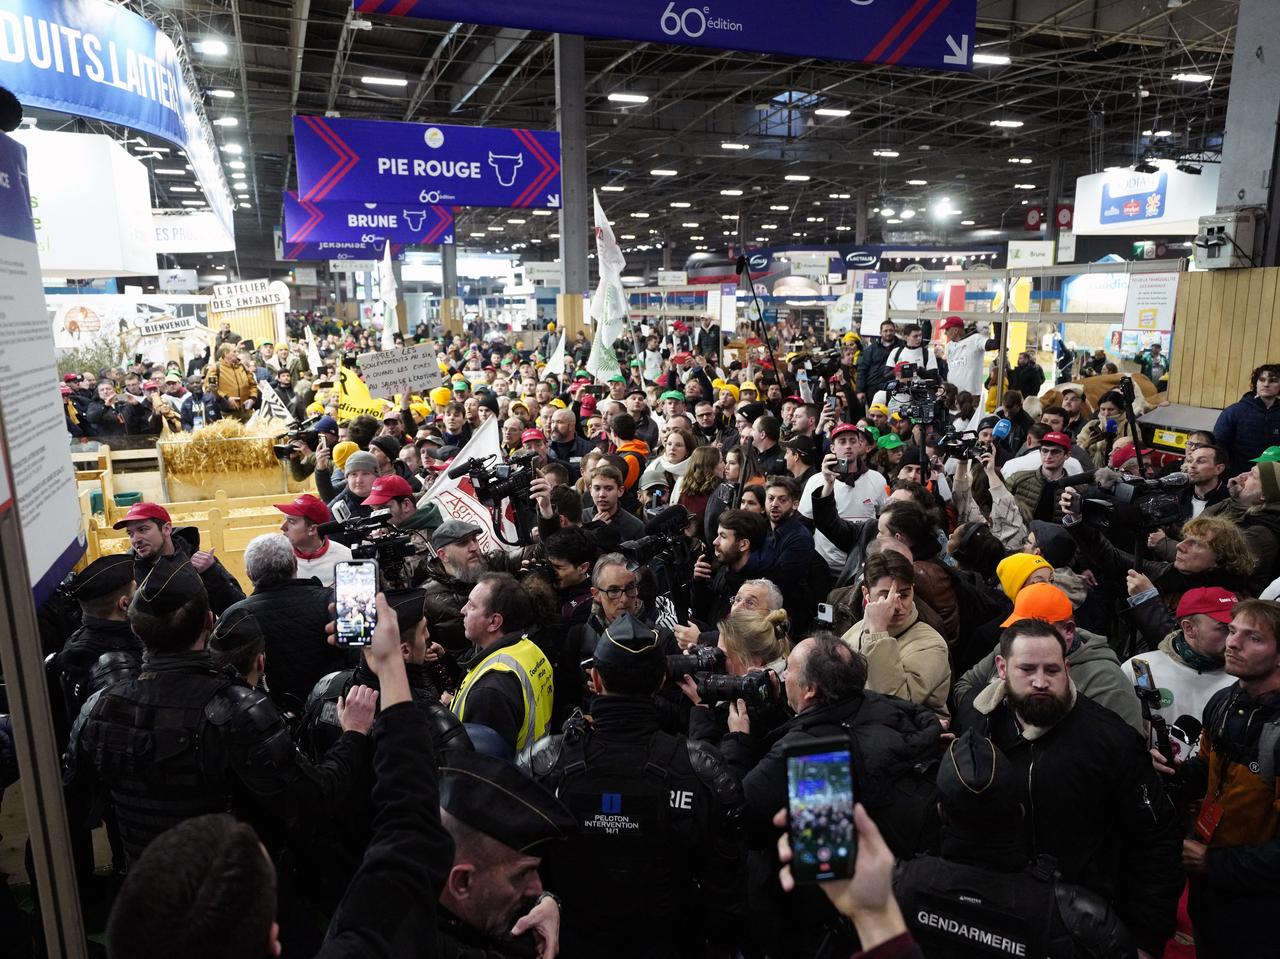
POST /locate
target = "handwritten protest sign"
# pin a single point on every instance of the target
(387, 372)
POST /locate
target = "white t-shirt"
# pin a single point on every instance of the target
(861, 500)
(966, 363)
(1183, 691)
(321, 565)
(652, 365)
(922, 355)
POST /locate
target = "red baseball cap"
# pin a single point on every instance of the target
(141, 511)
(307, 506)
(387, 488)
(530, 435)
(587, 406)
(1058, 439)
(950, 323)
(847, 428)
(793, 399)
(1213, 601)
(1122, 454)
(897, 367)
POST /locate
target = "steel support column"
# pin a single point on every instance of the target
(571, 121)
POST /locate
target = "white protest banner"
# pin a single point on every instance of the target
(555, 362)
(387, 372)
(314, 363)
(273, 409)
(456, 498)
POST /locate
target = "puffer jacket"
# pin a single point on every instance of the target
(1098, 443)
(1028, 488)
(935, 587)
(1095, 670)
(913, 663)
(446, 595)
(1246, 428)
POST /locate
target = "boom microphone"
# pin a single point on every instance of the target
(328, 529)
(459, 470)
(741, 265)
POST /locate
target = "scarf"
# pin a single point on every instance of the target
(677, 470)
(1201, 664)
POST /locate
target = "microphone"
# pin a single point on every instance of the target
(670, 520)
(1001, 430)
(741, 266)
(459, 470)
(328, 529)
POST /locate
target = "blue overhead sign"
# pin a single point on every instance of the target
(94, 58)
(418, 224)
(425, 163)
(936, 34)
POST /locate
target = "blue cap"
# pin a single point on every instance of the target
(326, 424)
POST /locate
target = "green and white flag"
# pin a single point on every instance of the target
(610, 305)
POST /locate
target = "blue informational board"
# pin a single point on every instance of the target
(94, 58)
(425, 163)
(419, 224)
(44, 481)
(338, 250)
(937, 34)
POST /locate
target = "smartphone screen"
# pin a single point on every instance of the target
(1142, 674)
(355, 586)
(820, 802)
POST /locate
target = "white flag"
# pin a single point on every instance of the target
(313, 354)
(456, 498)
(387, 296)
(610, 305)
(273, 408)
(555, 362)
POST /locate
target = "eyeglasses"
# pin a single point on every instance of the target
(750, 602)
(615, 592)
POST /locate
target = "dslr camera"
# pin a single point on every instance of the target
(706, 665)
(962, 445)
(924, 406)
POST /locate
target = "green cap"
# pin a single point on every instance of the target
(635, 362)
(617, 378)
(873, 430)
(461, 385)
(581, 373)
(890, 441)
(1270, 455)
(672, 395)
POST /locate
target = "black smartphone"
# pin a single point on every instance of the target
(820, 798)
(1142, 675)
(355, 587)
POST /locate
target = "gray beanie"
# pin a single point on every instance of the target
(361, 460)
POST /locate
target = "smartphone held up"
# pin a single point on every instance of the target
(820, 800)
(355, 586)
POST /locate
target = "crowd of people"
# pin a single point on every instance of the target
(1054, 655)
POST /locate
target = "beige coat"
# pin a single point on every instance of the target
(914, 664)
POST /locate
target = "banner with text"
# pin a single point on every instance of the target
(938, 34)
(94, 58)
(425, 163)
(44, 481)
(409, 223)
(388, 372)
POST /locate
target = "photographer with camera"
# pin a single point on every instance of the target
(666, 833)
(738, 536)
(895, 745)
(404, 565)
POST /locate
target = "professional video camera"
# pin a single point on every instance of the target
(309, 436)
(706, 665)
(925, 406)
(961, 445)
(378, 539)
(818, 363)
(1117, 501)
(495, 481)
(664, 538)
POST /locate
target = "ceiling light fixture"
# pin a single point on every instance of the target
(234, 149)
(917, 183)
(516, 221)
(494, 228)
(1007, 124)
(680, 204)
(222, 94)
(226, 122)
(1022, 160)
(1182, 167)
(888, 211)
(1024, 186)
(778, 208)
(194, 203)
(735, 146)
(967, 222)
(729, 216)
(613, 189)
(628, 98)
(385, 81)
(211, 47)
(1163, 133)
(235, 164)
(889, 154)
(1146, 165)
(797, 178)
(662, 171)
(240, 186)
(907, 214)
(165, 171)
(1191, 77)
(992, 59)
(238, 175)
(183, 189)
(640, 216)
(831, 112)
(246, 206)
(893, 220)
(731, 193)
(690, 225)
(543, 212)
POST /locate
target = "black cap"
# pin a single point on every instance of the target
(750, 411)
(988, 422)
(804, 447)
(494, 797)
(172, 583)
(627, 642)
(104, 576)
(489, 401)
(235, 629)
(913, 456)
(976, 783)
(410, 606)
(1054, 542)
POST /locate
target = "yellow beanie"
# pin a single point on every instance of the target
(733, 390)
(1015, 570)
(315, 409)
(342, 451)
(441, 395)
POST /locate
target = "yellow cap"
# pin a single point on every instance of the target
(557, 402)
(749, 386)
(733, 390)
(441, 395)
(851, 337)
(342, 451)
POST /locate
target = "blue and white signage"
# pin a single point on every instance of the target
(96, 59)
(333, 249)
(426, 163)
(418, 224)
(44, 481)
(938, 34)
(1167, 202)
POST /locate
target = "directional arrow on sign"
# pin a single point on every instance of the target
(959, 54)
(553, 199)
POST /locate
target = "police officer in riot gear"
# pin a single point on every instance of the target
(104, 649)
(185, 738)
(656, 816)
(981, 897)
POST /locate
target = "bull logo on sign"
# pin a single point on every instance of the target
(506, 167)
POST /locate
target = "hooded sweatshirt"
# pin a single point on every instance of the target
(912, 663)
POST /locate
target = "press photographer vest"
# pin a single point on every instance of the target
(527, 663)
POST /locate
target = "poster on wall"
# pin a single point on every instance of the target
(875, 303)
(130, 323)
(1151, 301)
(44, 482)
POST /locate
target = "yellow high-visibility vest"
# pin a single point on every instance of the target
(526, 662)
